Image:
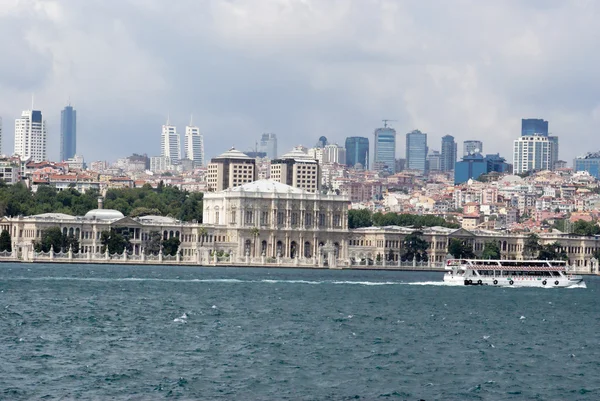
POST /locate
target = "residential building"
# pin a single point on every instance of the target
(170, 143)
(384, 157)
(68, 133)
(472, 146)
(357, 151)
(297, 169)
(194, 145)
(416, 150)
(448, 153)
(230, 169)
(30, 136)
(10, 170)
(268, 145)
(160, 164)
(532, 153)
(534, 126)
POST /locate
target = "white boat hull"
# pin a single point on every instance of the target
(550, 282)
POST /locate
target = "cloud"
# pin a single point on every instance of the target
(301, 69)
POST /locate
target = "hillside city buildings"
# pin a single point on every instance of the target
(299, 199)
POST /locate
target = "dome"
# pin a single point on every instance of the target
(104, 214)
(233, 154)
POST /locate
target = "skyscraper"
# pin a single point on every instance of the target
(416, 150)
(553, 150)
(448, 153)
(471, 146)
(30, 136)
(268, 145)
(170, 144)
(434, 161)
(534, 126)
(68, 133)
(357, 151)
(531, 153)
(384, 157)
(194, 145)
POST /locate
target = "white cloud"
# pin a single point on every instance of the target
(301, 69)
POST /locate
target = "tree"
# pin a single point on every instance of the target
(52, 238)
(582, 227)
(491, 250)
(459, 249)
(5, 241)
(414, 246)
(153, 243)
(553, 251)
(171, 246)
(202, 231)
(532, 246)
(115, 241)
(359, 218)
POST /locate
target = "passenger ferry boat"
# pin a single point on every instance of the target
(507, 273)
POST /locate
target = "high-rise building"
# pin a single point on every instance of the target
(434, 161)
(230, 169)
(531, 153)
(170, 145)
(471, 146)
(448, 153)
(268, 145)
(333, 153)
(590, 162)
(357, 151)
(553, 150)
(534, 126)
(384, 155)
(416, 150)
(68, 133)
(474, 165)
(298, 169)
(30, 136)
(322, 142)
(194, 145)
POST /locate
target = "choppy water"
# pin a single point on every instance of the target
(114, 332)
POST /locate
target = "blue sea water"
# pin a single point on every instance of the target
(141, 332)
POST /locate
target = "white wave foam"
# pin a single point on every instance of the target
(580, 285)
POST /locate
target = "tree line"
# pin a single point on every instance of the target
(164, 200)
(365, 218)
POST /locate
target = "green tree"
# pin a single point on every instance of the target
(358, 218)
(491, 250)
(459, 249)
(532, 246)
(414, 246)
(255, 233)
(170, 246)
(153, 243)
(115, 241)
(582, 227)
(553, 251)
(52, 238)
(5, 241)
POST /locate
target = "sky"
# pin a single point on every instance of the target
(301, 69)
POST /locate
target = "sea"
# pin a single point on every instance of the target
(95, 332)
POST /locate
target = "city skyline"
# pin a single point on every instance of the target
(337, 70)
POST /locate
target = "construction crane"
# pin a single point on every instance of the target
(385, 122)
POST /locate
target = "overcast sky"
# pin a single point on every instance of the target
(301, 69)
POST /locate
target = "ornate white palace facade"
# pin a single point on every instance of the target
(269, 223)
